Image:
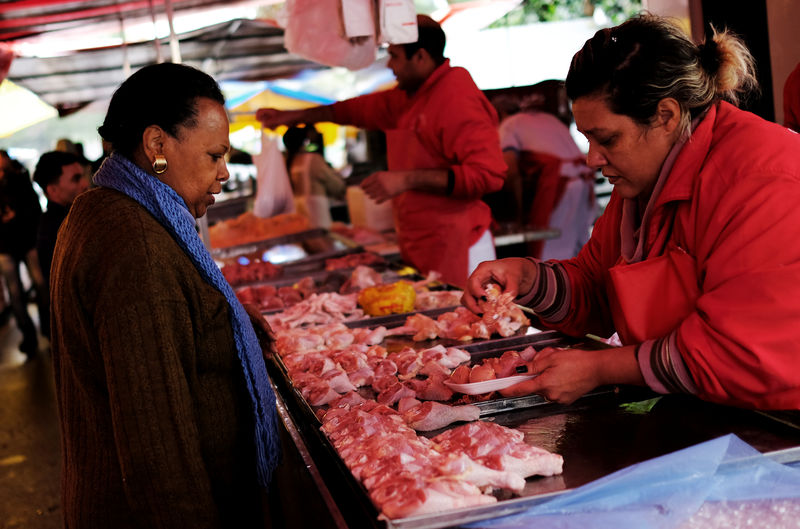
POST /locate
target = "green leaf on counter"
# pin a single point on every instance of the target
(641, 407)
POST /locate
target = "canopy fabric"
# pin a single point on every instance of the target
(20, 108)
(238, 49)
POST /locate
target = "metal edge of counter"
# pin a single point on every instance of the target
(297, 439)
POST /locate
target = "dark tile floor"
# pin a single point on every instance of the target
(29, 440)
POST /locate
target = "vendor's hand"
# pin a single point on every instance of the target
(564, 375)
(384, 185)
(513, 275)
(266, 338)
(271, 118)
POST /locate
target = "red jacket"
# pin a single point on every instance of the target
(730, 201)
(791, 100)
(447, 124)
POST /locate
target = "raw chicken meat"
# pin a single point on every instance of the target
(500, 448)
(432, 415)
(361, 278)
(500, 314)
(469, 470)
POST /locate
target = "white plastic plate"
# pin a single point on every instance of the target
(487, 386)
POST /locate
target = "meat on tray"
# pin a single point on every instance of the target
(407, 475)
(463, 325)
(331, 337)
(323, 308)
(269, 297)
(239, 274)
(352, 260)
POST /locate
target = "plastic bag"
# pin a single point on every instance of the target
(397, 21)
(315, 31)
(663, 492)
(359, 18)
(273, 189)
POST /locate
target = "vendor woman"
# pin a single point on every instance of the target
(696, 261)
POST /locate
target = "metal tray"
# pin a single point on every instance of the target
(315, 245)
(602, 432)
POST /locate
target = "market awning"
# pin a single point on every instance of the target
(20, 108)
(236, 50)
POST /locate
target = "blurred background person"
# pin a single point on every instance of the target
(314, 182)
(67, 145)
(552, 185)
(61, 177)
(442, 151)
(166, 412)
(19, 220)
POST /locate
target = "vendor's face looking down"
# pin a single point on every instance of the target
(410, 72)
(629, 154)
(196, 165)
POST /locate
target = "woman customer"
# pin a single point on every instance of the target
(167, 416)
(695, 262)
(314, 182)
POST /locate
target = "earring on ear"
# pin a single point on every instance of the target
(159, 164)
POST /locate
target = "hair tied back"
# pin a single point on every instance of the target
(709, 56)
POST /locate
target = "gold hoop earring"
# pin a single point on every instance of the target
(159, 164)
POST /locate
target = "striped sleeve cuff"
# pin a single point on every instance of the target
(550, 293)
(662, 366)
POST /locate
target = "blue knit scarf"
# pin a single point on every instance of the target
(117, 172)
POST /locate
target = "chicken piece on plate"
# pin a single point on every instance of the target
(481, 372)
(460, 375)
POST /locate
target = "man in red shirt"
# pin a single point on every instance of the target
(443, 154)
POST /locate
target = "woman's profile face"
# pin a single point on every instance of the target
(196, 165)
(629, 155)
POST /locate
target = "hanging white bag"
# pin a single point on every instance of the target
(273, 189)
(397, 21)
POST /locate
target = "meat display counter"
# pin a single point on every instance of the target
(606, 430)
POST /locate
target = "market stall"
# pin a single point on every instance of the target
(605, 431)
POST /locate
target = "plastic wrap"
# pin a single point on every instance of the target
(667, 491)
(315, 30)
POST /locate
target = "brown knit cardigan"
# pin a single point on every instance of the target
(155, 419)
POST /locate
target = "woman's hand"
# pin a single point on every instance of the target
(564, 375)
(513, 275)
